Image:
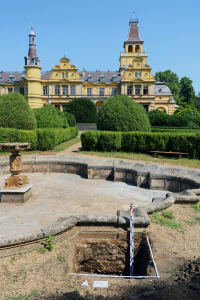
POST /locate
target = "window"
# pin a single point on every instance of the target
(101, 92)
(146, 107)
(64, 106)
(102, 77)
(26, 89)
(139, 74)
(9, 90)
(65, 90)
(136, 75)
(130, 48)
(22, 91)
(100, 107)
(114, 91)
(0, 78)
(57, 107)
(114, 77)
(11, 78)
(57, 90)
(137, 89)
(72, 90)
(145, 90)
(129, 74)
(66, 75)
(89, 77)
(63, 75)
(45, 90)
(137, 48)
(129, 89)
(89, 92)
(56, 74)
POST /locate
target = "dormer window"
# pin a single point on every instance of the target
(89, 77)
(160, 90)
(114, 77)
(22, 77)
(11, 78)
(102, 77)
(0, 78)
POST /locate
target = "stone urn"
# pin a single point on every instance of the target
(17, 187)
(16, 179)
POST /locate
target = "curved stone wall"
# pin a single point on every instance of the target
(183, 185)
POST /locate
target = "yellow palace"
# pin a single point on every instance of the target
(65, 82)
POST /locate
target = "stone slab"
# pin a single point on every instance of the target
(16, 195)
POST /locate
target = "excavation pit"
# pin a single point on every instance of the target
(108, 254)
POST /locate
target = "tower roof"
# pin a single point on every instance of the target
(133, 35)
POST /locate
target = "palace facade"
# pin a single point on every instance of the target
(64, 82)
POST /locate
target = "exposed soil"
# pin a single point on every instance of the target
(46, 276)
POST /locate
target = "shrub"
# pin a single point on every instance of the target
(48, 138)
(16, 113)
(122, 114)
(63, 120)
(28, 136)
(83, 109)
(90, 139)
(160, 118)
(70, 119)
(49, 117)
(142, 142)
(8, 135)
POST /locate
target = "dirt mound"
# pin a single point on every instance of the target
(190, 271)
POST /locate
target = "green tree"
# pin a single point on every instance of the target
(186, 93)
(83, 109)
(185, 109)
(16, 113)
(120, 113)
(172, 81)
(197, 101)
(49, 117)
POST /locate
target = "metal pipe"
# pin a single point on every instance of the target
(131, 240)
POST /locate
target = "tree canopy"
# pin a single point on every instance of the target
(120, 113)
(171, 80)
(185, 109)
(186, 93)
(16, 113)
(83, 109)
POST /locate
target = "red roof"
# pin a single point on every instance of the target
(133, 35)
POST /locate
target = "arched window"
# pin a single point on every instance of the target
(137, 48)
(130, 48)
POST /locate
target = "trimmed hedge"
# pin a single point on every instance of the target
(178, 130)
(142, 142)
(49, 117)
(40, 139)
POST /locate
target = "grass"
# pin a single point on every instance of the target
(165, 218)
(57, 148)
(173, 272)
(197, 207)
(60, 258)
(146, 158)
(32, 295)
(195, 220)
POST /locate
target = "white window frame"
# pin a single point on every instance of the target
(72, 90)
(45, 90)
(101, 92)
(89, 91)
(57, 90)
(65, 89)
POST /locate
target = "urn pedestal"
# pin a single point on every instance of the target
(17, 188)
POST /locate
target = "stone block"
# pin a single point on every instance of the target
(157, 184)
(17, 195)
(56, 168)
(119, 176)
(40, 167)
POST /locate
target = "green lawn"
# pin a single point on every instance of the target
(146, 158)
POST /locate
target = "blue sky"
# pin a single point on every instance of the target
(92, 33)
